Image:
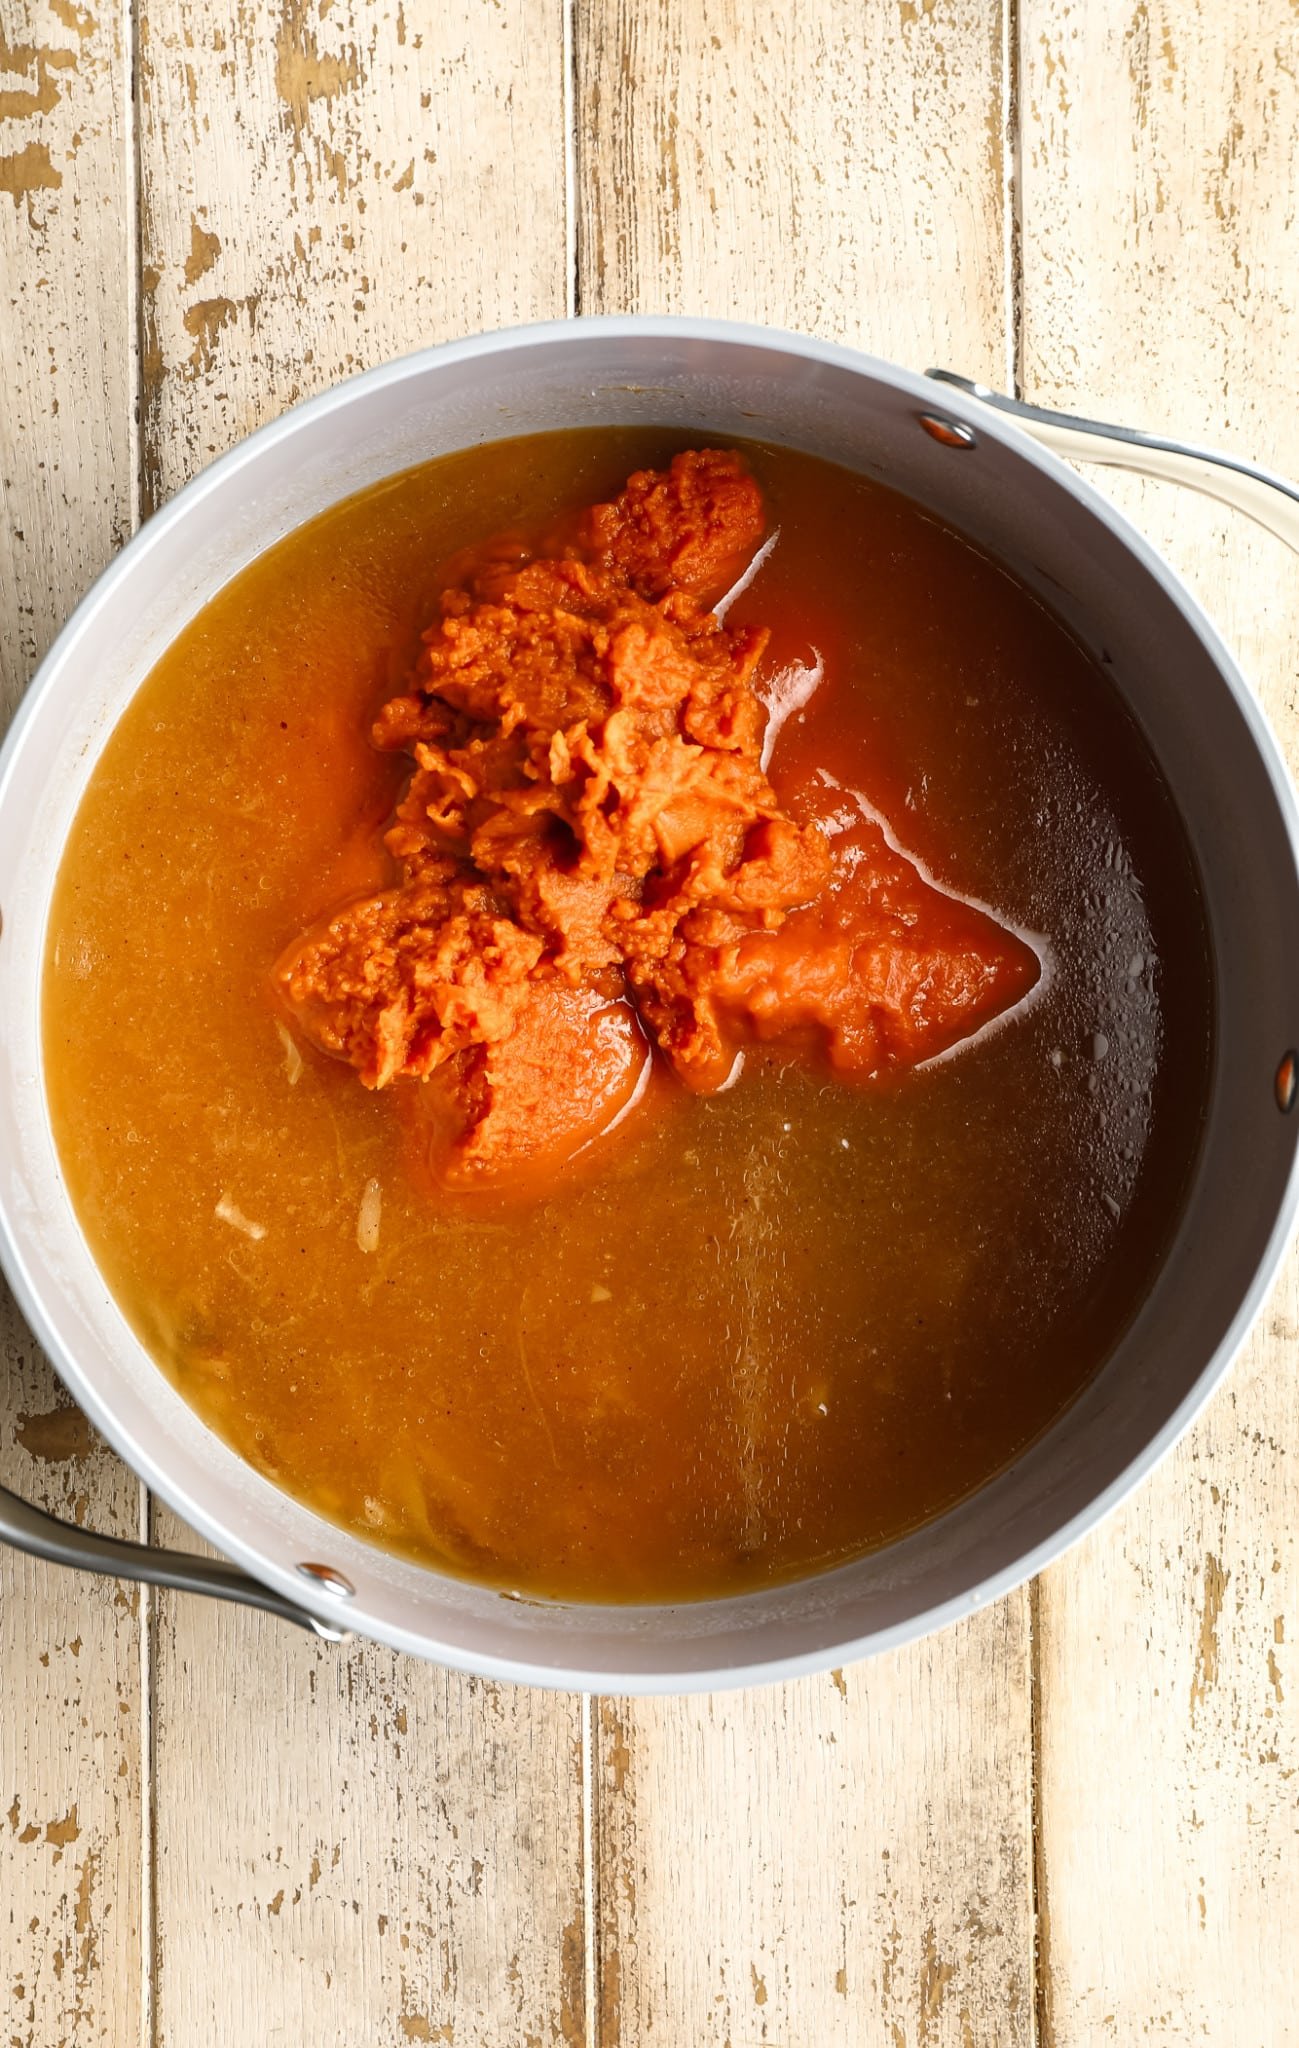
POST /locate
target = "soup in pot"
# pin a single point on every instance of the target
(627, 1018)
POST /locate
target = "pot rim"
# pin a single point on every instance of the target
(995, 427)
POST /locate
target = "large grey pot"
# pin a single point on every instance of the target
(984, 477)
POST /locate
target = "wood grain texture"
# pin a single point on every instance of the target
(65, 462)
(836, 166)
(350, 1847)
(848, 1859)
(1160, 168)
(358, 1849)
(70, 1710)
(324, 187)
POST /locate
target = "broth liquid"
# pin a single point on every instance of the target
(754, 1334)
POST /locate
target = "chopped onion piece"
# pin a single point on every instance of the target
(367, 1222)
(293, 1061)
(229, 1212)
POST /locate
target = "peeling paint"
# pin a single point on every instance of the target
(615, 1750)
(416, 2026)
(34, 61)
(935, 1976)
(61, 1832)
(29, 171)
(58, 1436)
(1205, 1675)
(303, 73)
(79, 19)
(572, 1985)
(206, 320)
(204, 248)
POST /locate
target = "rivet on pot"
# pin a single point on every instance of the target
(952, 433)
(1287, 1082)
(330, 1581)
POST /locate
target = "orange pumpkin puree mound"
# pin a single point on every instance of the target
(591, 855)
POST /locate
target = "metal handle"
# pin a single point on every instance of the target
(41, 1535)
(1259, 493)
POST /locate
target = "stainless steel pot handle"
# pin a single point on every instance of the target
(1245, 486)
(41, 1535)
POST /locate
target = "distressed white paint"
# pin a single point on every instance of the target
(339, 1846)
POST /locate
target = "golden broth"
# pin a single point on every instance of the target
(754, 1334)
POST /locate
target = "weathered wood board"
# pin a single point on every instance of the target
(1075, 1819)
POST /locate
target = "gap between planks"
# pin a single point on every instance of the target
(569, 63)
(147, 1608)
(1012, 199)
(147, 1613)
(1012, 196)
(1039, 1914)
(590, 1877)
(590, 1703)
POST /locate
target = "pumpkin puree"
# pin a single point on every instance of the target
(593, 860)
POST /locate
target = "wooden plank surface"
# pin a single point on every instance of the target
(846, 1859)
(70, 1703)
(350, 1847)
(326, 186)
(227, 1833)
(1161, 164)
